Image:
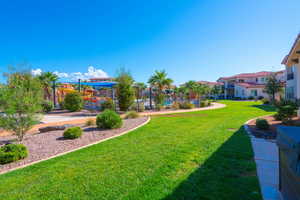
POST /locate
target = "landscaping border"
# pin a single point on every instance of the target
(82, 147)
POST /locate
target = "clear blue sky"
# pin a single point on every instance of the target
(191, 40)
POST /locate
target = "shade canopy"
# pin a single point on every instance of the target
(96, 84)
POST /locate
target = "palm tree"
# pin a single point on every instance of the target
(160, 81)
(47, 80)
(139, 88)
(190, 88)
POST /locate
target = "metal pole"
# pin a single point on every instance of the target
(150, 98)
(54, 95)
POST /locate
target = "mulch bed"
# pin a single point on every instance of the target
(272, 132)
(45, 145)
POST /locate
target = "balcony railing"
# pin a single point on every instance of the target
(290, 76)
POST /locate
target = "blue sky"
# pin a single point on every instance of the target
(191, 40)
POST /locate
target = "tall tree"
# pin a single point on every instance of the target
(47, 79)
(125, 90)
(273, 86)
(20, 101)
(160, 81)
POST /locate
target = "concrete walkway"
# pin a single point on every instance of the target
(267, 166)
(59, 118)
(267, 163)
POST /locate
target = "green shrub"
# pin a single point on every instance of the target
(109, 104)
(186, 105)
(109, 119)
(265, 101)
(90, 122)
(159, 107)
(12, 152)
(262, 124)
(175, 106)
(251, 98)
(73, 132)
(47, 106)
(286, 110)
(205, 103)
(73, 102)
(139, 107)
(131, 115)
(286, 113)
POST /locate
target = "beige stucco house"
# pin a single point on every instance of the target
(291, 61)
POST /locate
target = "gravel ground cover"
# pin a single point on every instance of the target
(45, 145)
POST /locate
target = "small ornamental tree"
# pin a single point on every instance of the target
(272, 87)
(20, 101)
(125, 90)
(73, 102)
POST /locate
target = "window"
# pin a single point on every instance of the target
(262, 79)
(254, 93)
(290, 93)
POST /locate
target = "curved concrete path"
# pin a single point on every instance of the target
(59, 118)
(213, 106)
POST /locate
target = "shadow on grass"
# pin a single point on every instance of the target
(267, 108)
(228, 174)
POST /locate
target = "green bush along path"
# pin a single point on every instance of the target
(197, 155)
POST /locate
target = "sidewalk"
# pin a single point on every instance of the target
(267, 163)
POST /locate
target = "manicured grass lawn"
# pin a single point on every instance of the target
(199, 155)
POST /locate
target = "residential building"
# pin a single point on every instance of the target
(247, 85)
(291, 61)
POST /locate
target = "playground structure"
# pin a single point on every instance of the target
(93, 93)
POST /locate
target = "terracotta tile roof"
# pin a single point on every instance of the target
(210, 83)
(285, 59)
(248, 75)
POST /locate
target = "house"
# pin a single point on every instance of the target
(248, 85)
(291, 61)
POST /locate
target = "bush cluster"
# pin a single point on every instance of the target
(12, 152)
(131, 115)
(108, 104)
(109, 119)
(186, 105)
(262, 124)
(286, 111)
(205, 103)
(139, 107)
(73, 102)
(47, 106)
(265, 101)
(73, 132)
(159, 107)
(175, 106)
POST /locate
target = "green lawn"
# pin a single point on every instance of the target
(200, 155)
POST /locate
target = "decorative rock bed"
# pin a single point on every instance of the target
(49, 144)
